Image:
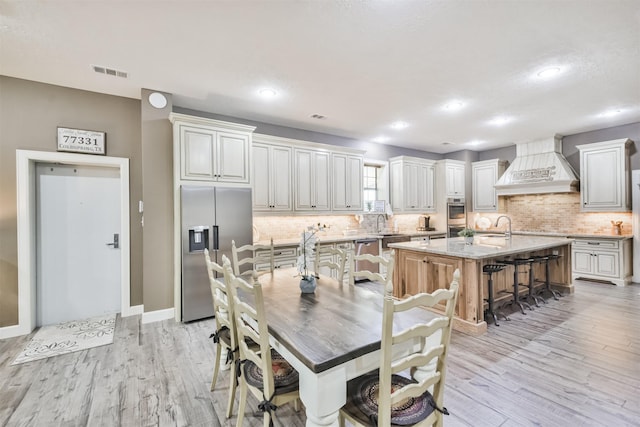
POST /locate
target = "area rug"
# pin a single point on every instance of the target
(68, 337)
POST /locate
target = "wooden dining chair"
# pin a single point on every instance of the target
(397, 399)
(248, 259)
(260, 369)
(225, 335)
(386, 262)
(332, 258)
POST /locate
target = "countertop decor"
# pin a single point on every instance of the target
(307, 247)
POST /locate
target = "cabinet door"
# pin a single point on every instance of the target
(426, 188)
(414, 276)
(484, 193)
(280, 178)
(582, 261)
(232, 158)
(312, 180)
(606, 264)
(455, 181)
(410, 187)
(354, 183)
(197, 151)
(347, 182)
(602, 179)
(262, 185)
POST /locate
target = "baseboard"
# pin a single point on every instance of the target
(134, 310)
(13, 331)
(158, 315)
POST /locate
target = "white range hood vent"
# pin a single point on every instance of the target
(539, 167)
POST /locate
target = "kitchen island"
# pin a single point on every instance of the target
(428, 266)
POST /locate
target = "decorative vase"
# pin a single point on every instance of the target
(468, 240)
(308, 284)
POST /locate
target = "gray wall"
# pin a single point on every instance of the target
(569, 143)
(373, 150)
(29, 115)
(157, 178)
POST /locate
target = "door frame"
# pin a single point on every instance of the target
(26, 216)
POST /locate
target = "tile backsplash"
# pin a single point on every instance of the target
(547, 213)
(555, 213)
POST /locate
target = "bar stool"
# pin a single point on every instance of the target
(516, 262)
(531, 295)
(547, 284)
(490, 269)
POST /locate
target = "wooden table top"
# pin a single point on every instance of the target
(335, 324)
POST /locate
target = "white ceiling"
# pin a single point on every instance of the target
(362, 64)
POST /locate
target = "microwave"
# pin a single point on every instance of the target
(456, 213)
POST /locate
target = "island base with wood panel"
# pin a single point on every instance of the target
(428, 266)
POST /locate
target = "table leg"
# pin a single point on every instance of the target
(323, 395)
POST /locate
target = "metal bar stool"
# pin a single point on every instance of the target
(490, 269)
(531, 296)
(516, 262)
(547, 283)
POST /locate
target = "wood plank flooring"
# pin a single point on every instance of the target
(572, 362)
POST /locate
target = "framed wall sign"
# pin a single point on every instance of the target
(82, 141)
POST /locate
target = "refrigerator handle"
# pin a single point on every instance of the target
(216, 241)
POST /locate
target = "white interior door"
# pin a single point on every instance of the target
(78, 213)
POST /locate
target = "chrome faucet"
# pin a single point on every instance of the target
(507, 233)
(378, 223)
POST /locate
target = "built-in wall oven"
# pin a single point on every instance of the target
(456, 216)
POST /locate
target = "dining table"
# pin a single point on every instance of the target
(330, 336)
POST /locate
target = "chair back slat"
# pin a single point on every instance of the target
(251, 319)
(248, 259)
(222, 303)
(382, 261)
(337, 262)
(433, 336)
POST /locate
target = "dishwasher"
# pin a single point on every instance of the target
(367, 246)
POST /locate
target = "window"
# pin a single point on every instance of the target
(370, 182)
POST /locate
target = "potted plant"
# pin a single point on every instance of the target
(468, 234)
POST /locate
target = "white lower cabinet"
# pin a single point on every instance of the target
(602, 259)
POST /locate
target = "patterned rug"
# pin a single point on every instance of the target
(68, 337)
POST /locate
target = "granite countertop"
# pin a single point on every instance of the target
(339, 239)
(566, 235)
(484, 247)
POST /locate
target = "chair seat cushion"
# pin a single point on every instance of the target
(362, 401)
(285, 378)
(225, 336)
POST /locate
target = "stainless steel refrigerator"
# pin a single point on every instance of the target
(211, 218)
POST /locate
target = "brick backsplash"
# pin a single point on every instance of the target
(555, 213)
(548, 213)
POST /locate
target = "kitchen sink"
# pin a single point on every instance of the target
(489, 236)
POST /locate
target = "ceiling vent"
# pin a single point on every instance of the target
(318, 116)
(109, 71)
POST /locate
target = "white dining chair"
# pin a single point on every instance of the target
(385, 397)
(385, 263)
(262, 370)
(250, 259)
(331, 258)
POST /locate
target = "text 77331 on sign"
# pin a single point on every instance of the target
(81, 141)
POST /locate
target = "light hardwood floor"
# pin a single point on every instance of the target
(573, 362)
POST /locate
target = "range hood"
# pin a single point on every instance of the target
(539, 167)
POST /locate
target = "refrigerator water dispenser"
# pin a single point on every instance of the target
(198, 239)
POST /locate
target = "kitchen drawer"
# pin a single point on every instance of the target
(597, 244)
(285, 252)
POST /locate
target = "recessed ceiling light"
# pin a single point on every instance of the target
(499, 121)
(453, 105)
(267, 92)
(611, 113)
(476, 142)
(399, 125)
(548, 72)
(380, 139)
(157, 100)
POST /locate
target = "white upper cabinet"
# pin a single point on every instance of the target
(211, 150)
(312, 180)
(347, 182)
(605, 176)
(454, 176)
(271, 177)
(484, 175)
(412, 184)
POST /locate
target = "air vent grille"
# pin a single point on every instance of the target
(318, 116)
(109, 71)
